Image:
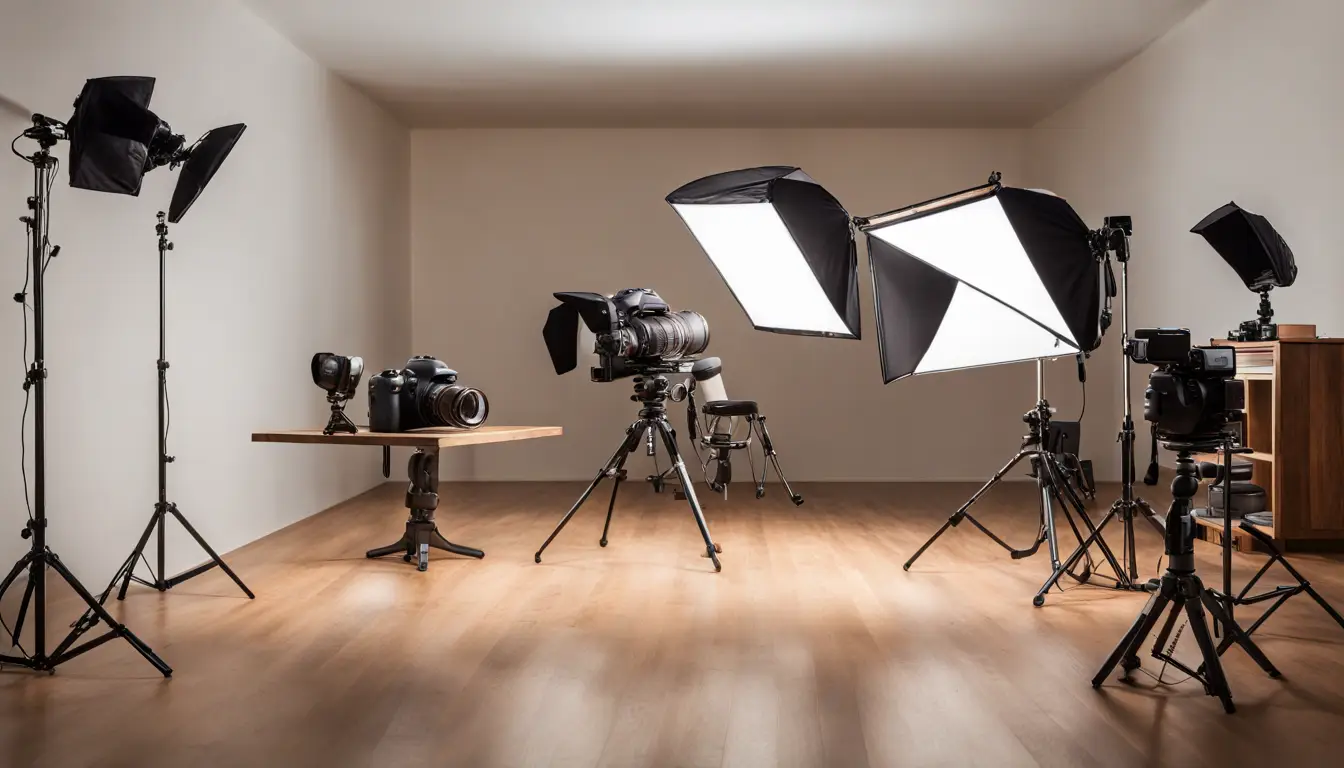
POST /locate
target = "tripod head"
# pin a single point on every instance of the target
(1180, 537)
(652, 391)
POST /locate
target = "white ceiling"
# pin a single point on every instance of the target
(722, 62)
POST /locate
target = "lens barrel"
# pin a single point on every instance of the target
(673, 335)
(455, 405)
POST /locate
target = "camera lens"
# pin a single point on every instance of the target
(453, 405)
(674, 335)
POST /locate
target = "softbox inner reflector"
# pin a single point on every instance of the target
(206, 158)
(997, 276)
(782, 243)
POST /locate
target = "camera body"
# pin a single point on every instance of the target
(1254, 330)
(1193, 394)
(637, 333)
(423, 394)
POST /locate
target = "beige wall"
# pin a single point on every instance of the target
(1242, 101)
(299, 245)
(502, 218)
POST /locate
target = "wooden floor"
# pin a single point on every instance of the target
(812, 647)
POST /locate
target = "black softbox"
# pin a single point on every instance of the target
(782, 243)
(110, 134)
(203, 161)
(986, 276)
(1250, 245)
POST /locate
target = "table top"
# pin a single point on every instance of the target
(433, 437)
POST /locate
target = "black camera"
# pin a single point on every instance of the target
(423, 394)
(1192, 396)
(637, 333)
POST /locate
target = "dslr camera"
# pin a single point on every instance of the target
(423, 394)
(1193, 395)
(637, 333)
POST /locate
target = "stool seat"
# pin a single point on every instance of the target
(730, 408)
(1247, 498)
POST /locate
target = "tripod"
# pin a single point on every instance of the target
(163, 508)
(1051, 480)
(39, 557)
(652, 393)
(1182, 591)
(1129, 505)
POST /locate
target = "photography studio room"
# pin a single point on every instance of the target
(683, 383)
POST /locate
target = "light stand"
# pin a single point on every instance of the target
(164, 507)
(1129, 504)
(39, 556)
(1181, 590)
(651, 392)
(1051, 480)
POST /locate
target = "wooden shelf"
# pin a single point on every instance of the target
(1217, 458)
(1211, 530)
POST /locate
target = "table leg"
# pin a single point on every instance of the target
(422, 533)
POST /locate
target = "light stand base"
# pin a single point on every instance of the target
(37, 563)
(126, 574)
(1278, 594)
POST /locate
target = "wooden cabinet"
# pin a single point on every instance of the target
(1295, 428)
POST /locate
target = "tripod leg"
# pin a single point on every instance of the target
(437, 541)
(670, 440)
(1213, 668)
(1095, 531)
(632, 438)
(23, 608)
(117, 628)
(1151, 516)
(963, 513)
(611, 505)
(403, 546)
(769, 446)
(223, 566)
(128, 568)
(1236, 634)
(1127, 650)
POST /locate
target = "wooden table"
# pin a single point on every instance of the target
(422, 498)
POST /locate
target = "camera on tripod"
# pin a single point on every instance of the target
(637, 333)
(1193, 395)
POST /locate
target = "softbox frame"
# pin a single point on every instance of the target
(110, 134)
(1250, 245)
(203, 162)
(981, 277)
(783, 245)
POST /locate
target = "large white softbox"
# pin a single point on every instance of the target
(986, 276)
(782, 243)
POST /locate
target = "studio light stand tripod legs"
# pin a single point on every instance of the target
(40, 558)
(422, 533)
(1279, 594)
(163, 508)
(126, 574)
(964, 513)
(1073, 505)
